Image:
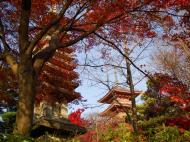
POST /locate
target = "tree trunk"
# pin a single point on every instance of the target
(25, 107)
(132, 89)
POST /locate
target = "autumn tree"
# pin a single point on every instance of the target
(166, 101)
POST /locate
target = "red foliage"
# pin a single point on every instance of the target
(151, 34)
(178, 93)
(168, 20)
(181, 122)
(75, 117)
(172, 88)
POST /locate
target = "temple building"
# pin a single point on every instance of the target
(119, 100)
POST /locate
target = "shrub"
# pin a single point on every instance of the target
(75, 117)
(119, 134)
(168, 134)
(15, 138)
(9, 119)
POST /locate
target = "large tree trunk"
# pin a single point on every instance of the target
(27, 81)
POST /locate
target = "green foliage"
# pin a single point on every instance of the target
(50, 138)
(186, 136)
(152, 122)
(168, 134)
(15, 138)
(9, 116)
(9, 119)
(119, 134)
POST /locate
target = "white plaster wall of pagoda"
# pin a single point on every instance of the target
(124, 101)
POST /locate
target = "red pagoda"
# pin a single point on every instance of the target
(119, 99)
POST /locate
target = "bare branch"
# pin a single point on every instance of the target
(142, 51)
(102, 65)
(12, 62)
(123, 54)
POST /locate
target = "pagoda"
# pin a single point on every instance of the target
(119, 100)
(56, 88)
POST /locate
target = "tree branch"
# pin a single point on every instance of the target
(123, 54)
(24, 24)
(99, 66)
(49, 26)
(6, 55)
(41, 57)
(2, 37)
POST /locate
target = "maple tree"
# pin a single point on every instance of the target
(171, 98)
(75, 117)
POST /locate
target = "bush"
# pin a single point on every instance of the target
(15, 138)
(168, 134)
(119, 134)
(8, 124)
(186, 136)
(9, 116)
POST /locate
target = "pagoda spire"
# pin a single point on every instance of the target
(115, 76)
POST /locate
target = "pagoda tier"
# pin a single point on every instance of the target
(115, 108)
(119, 99)
(117, 93)
(54, 94)
(58, 80)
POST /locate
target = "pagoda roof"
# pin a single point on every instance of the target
(59, 128)
(112, 108)
(118, 92)
(68, 95)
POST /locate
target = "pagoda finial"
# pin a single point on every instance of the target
(115, 75)
(107, 76)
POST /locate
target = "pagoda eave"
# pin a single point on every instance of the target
(108, 98)
(70, 96)
(61, 128)
(111, 109)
